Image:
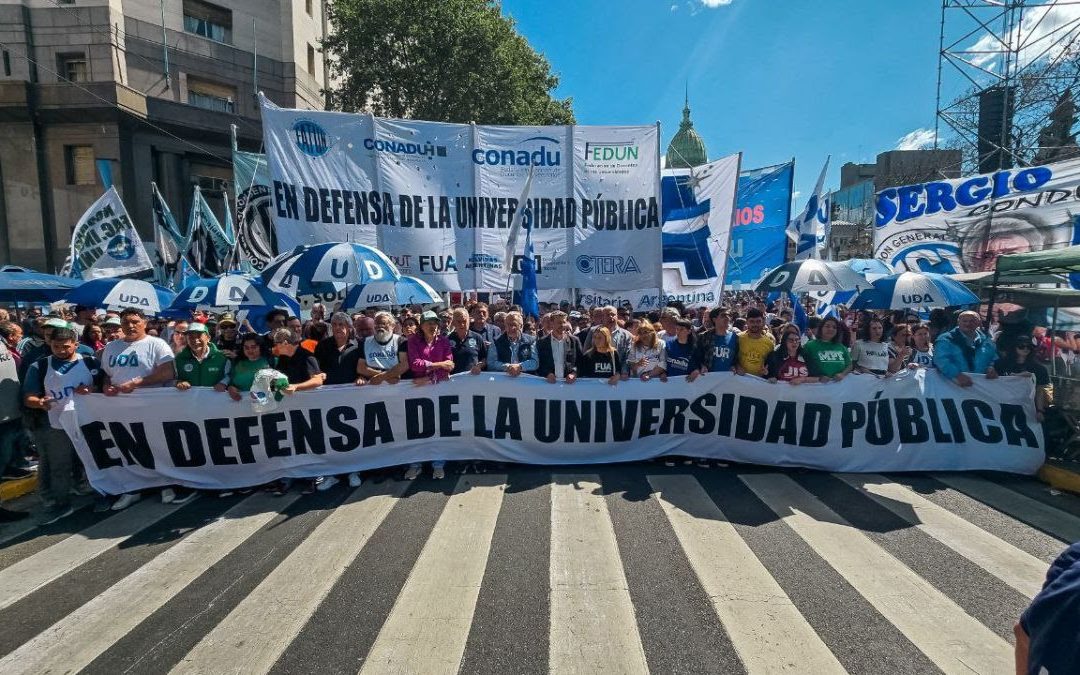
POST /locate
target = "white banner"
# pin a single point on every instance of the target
(105, 243)
(946, 226)
(916, 421)
(698, 207)
(438, 198)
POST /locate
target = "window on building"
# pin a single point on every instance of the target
(210, 95)
(79, 164)
(311, 59)
(73, 67)
(209, 21)
(307, 6)
(7, 63)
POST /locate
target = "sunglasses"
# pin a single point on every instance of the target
(1024, 347)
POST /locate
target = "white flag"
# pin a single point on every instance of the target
(810, 229)
(105, 243)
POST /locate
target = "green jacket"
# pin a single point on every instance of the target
(206, 373)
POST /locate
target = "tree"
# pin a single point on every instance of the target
(440, 60)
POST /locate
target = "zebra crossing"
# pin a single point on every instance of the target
(626, 569)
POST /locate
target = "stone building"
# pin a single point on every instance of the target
(89, 80)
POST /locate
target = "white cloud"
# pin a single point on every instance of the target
(715, 3)
(1042, 29)
(916, 140)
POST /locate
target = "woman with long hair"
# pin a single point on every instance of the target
(786, 363)
(601, 360)
(647, 354)
(93, 337)
(871, 354)
(900, 351)
(826, 356)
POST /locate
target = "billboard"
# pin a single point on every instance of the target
(965, 224)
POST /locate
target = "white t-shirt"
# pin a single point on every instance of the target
(655, 356)
(381, 356)
(123, 361)
(871, 355)
(61, 384)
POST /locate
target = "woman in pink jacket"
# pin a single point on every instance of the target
(431, 360)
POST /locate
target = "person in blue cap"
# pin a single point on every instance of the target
(1048, 633)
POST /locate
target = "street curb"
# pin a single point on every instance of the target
(13, 489)
(1060, 478)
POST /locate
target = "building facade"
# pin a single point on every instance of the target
(88, 80)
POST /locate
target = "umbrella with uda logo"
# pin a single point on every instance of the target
(916, 291)
(320, 268)
(231, 292)
(117, 294)
(811, 276)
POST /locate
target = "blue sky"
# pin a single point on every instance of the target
(773, 78)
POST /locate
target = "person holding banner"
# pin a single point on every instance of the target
(786, 363)
(468, 346)
(826, 356)
(755, 345)
(513, 352)
(965, 349)
(241, 373)
(648, 355)
(871, 354)
(200, 363)
(718, 350)
(602, 359)
(922, 351)
(431, 360)
(558, 352)
(679, 349)
(49, 386)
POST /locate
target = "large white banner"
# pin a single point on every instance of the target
(439, 198)
(965, 224)
(698, 208)
(105, 243)
(914, 421)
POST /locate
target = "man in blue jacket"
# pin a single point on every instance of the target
(965, 349)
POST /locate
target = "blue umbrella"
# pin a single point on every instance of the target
(404, 291)
(29, 286)
(119, 294)
(233, 292)
(916, 291)
(321, 268)
(869, 266)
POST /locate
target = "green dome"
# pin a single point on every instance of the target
(686, 148)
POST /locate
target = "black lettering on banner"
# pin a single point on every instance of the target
(184, 443)
(448, 417)
(547, 420)
(674, 421)
(649, 418)
(133, 444)
(480, 429)
(727, 407)
(245, 440)
(419, 418)
(940, 435)
(507, 419)
(705, 421)
(377, 424)
(910, 425)
(622, 420)
(99, 444)
(953, 415)
(578, 421)
(1015, 424)
(600, 434)
(348, 436)
(879, 428)
(975, 411)
(753, 414)
(217, 442)
(783, 426)
(815, 425)
(307, 433)
(273, 435)
(852, 418)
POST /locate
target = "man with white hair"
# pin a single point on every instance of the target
(668, 317)
(513, 352)
(468, 346)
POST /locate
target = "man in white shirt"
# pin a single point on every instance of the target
(136, 360)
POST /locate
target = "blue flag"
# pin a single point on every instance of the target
(530, 299)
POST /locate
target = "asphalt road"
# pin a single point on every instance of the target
(614, 569)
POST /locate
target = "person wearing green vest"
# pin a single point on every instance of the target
(200, 364)
(250, 361)
(826, 357)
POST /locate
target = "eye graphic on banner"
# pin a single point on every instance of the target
(120, 247)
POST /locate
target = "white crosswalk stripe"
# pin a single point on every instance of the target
(427, 619)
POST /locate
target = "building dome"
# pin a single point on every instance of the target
(686, 149)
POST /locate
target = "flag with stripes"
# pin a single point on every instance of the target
(629, 569)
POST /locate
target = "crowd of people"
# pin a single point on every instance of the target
(47, 359)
